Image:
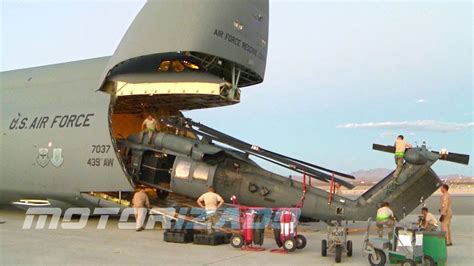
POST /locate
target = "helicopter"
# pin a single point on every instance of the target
(196, 156)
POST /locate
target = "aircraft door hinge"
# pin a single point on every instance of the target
(235, 82)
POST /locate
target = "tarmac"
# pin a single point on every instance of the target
(117, 246)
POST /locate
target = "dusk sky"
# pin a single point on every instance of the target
(340, 75)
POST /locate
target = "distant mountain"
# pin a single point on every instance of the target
(371, 175)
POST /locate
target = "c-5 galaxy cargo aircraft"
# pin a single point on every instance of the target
(70, 132)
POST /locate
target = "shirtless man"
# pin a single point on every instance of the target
(210, 201)
(400, 147)
(150, 126)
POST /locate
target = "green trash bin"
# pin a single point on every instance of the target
(434, 245)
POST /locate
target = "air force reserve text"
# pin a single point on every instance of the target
(238, 42)
(58, 121)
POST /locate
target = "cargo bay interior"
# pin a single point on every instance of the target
(165, 85)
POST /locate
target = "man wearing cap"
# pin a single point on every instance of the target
(429, 220)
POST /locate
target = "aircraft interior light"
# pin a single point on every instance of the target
(167, 88)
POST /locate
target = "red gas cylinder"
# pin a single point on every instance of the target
(248, 227)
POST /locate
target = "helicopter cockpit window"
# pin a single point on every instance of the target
(177, 66)
(164, 66)
(201, 172)
(182, 169)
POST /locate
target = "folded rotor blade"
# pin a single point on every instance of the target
(454, 157)
(268, 153)
(384, 148)
(284, 161)
(315, 174)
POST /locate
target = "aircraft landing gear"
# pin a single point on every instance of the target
(162, 194)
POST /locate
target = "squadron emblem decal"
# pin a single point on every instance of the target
(42, 159)
(57, 159)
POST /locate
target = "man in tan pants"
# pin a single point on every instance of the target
(446, 213)
(385, 218)
(400, 147)
(140, 201)
(210, 201)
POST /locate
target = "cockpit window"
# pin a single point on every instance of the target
(201, 171)
(164, 66)
(182, 169)
(177, 66)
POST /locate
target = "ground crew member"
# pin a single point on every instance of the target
(385, 217)
(400, 147)
(149, 126)
(429, 220)
(446, 213)
(140, 201)
(211, 201)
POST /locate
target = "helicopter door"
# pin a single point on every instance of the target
(191, 178)
(155, 168)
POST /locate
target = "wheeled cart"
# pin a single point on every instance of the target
(285, 227)
(285, 230)
(336, 242)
